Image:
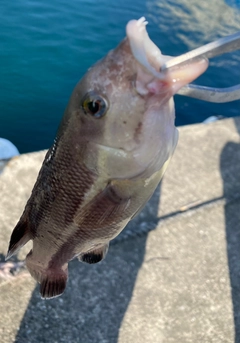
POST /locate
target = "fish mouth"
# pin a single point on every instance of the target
(143, 48)
(150, 59)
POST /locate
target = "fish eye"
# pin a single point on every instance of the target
(94, 104)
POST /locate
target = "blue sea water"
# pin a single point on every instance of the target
(46, 46)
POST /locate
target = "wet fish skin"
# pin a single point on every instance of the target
(101, 171)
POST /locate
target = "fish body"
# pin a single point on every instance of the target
(110, 153)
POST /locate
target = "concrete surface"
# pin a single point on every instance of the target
(172, 276)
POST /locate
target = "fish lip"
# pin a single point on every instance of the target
(146, 53)
(150, 80)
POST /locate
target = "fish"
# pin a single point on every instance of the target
(111, 150)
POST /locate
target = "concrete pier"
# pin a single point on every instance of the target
(173, 275)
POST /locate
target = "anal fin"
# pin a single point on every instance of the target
(20, 236)
(94, 256)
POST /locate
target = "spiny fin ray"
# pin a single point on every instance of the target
(20, 236)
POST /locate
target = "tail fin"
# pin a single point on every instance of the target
(53, 285)
(20, 236)
(52, 281)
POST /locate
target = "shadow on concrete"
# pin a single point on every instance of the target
(230, 171)
(97, 296)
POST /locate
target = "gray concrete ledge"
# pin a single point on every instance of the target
(173, 276)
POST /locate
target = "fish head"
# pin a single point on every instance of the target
(123, 109)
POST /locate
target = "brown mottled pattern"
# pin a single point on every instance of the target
(105, 216)
(57, 194)
(73, 181)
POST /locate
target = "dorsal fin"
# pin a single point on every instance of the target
(20, 236)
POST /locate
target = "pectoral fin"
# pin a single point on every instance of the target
(94, 256)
